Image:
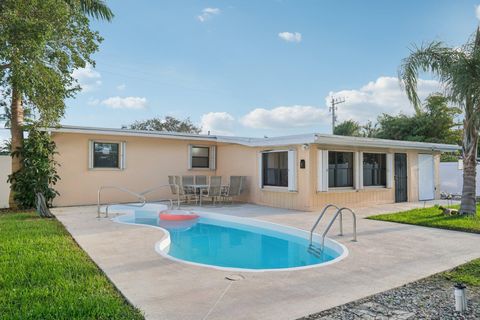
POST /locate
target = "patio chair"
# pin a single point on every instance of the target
(201, 180)
(177, 189)
(188, 188)
(234, 189)
(213, 191)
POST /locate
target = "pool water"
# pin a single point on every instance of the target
(233, 244)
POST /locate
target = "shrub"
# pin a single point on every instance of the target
(38, 173)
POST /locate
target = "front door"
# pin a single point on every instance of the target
(400, 177)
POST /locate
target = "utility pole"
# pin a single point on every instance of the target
(333, 108)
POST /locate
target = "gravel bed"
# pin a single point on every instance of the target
(430, 298)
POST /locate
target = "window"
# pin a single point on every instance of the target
(106, 155)
(374, 169)
(340, 169)
(275, 168)
(200, 157)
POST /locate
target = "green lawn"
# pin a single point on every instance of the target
(45, 275)
(468, 273)
(433, 217)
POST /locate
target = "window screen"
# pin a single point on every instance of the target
(374, 169)
(106, 155)
(200, 157)
(275, 169)
(340, 169)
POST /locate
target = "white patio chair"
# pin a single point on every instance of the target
(234, 189)
(200, 180)
(213, 191)
(188, 187)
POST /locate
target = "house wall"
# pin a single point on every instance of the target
(244, 161)
(149, 161)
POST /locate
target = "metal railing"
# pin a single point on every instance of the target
(140, 196)
(162, 200)
(339, 213)
(99, 203)
(320, 218)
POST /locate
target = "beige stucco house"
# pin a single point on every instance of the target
(302, 172)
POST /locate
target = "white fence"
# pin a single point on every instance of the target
(5, 169)
(451, 178)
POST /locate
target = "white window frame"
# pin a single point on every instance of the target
(212, 156)
(122, 155)
(292, 171)
(354, 173)
(322, 170)
(387, 178)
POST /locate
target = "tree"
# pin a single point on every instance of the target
(459, 72)
(348, 128)
(370, 129)
(41, 43)
(170, 124)
(434, 122)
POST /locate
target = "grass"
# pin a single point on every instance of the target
(433, 217)
(468, 273)
(45, 275)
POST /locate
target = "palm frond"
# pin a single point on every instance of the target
(433, 57)
(97, 9)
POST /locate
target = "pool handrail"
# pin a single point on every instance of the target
(140, 196)
(339, 212)
(99, 204)
(320, 218)
(143, 193)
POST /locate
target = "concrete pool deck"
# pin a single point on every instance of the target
(387, 255)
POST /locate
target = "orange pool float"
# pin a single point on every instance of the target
(177, 215)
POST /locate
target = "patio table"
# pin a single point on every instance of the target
(197, 186)
(198, 189)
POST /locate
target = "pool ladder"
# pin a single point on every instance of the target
(317, 251)
(140, 196)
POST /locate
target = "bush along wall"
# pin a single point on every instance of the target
(38, 173)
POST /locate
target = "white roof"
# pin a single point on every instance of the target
(318, 138)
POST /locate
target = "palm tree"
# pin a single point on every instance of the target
(458, 70)
(97, 9)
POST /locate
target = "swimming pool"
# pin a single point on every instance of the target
(227, 242)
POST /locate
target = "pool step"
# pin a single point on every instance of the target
(317, 252)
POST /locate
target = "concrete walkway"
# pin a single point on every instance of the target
(387, 255)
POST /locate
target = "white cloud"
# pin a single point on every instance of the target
(125, 103)
(121, 87)
(290, 36)
(384, 95)
(207, 13)
(477, 11)
(88, 78)
(93, 102)
(284, 117)
(220, 123)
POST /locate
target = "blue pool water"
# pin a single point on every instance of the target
(230, 244)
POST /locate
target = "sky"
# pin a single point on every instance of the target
(255, 68)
